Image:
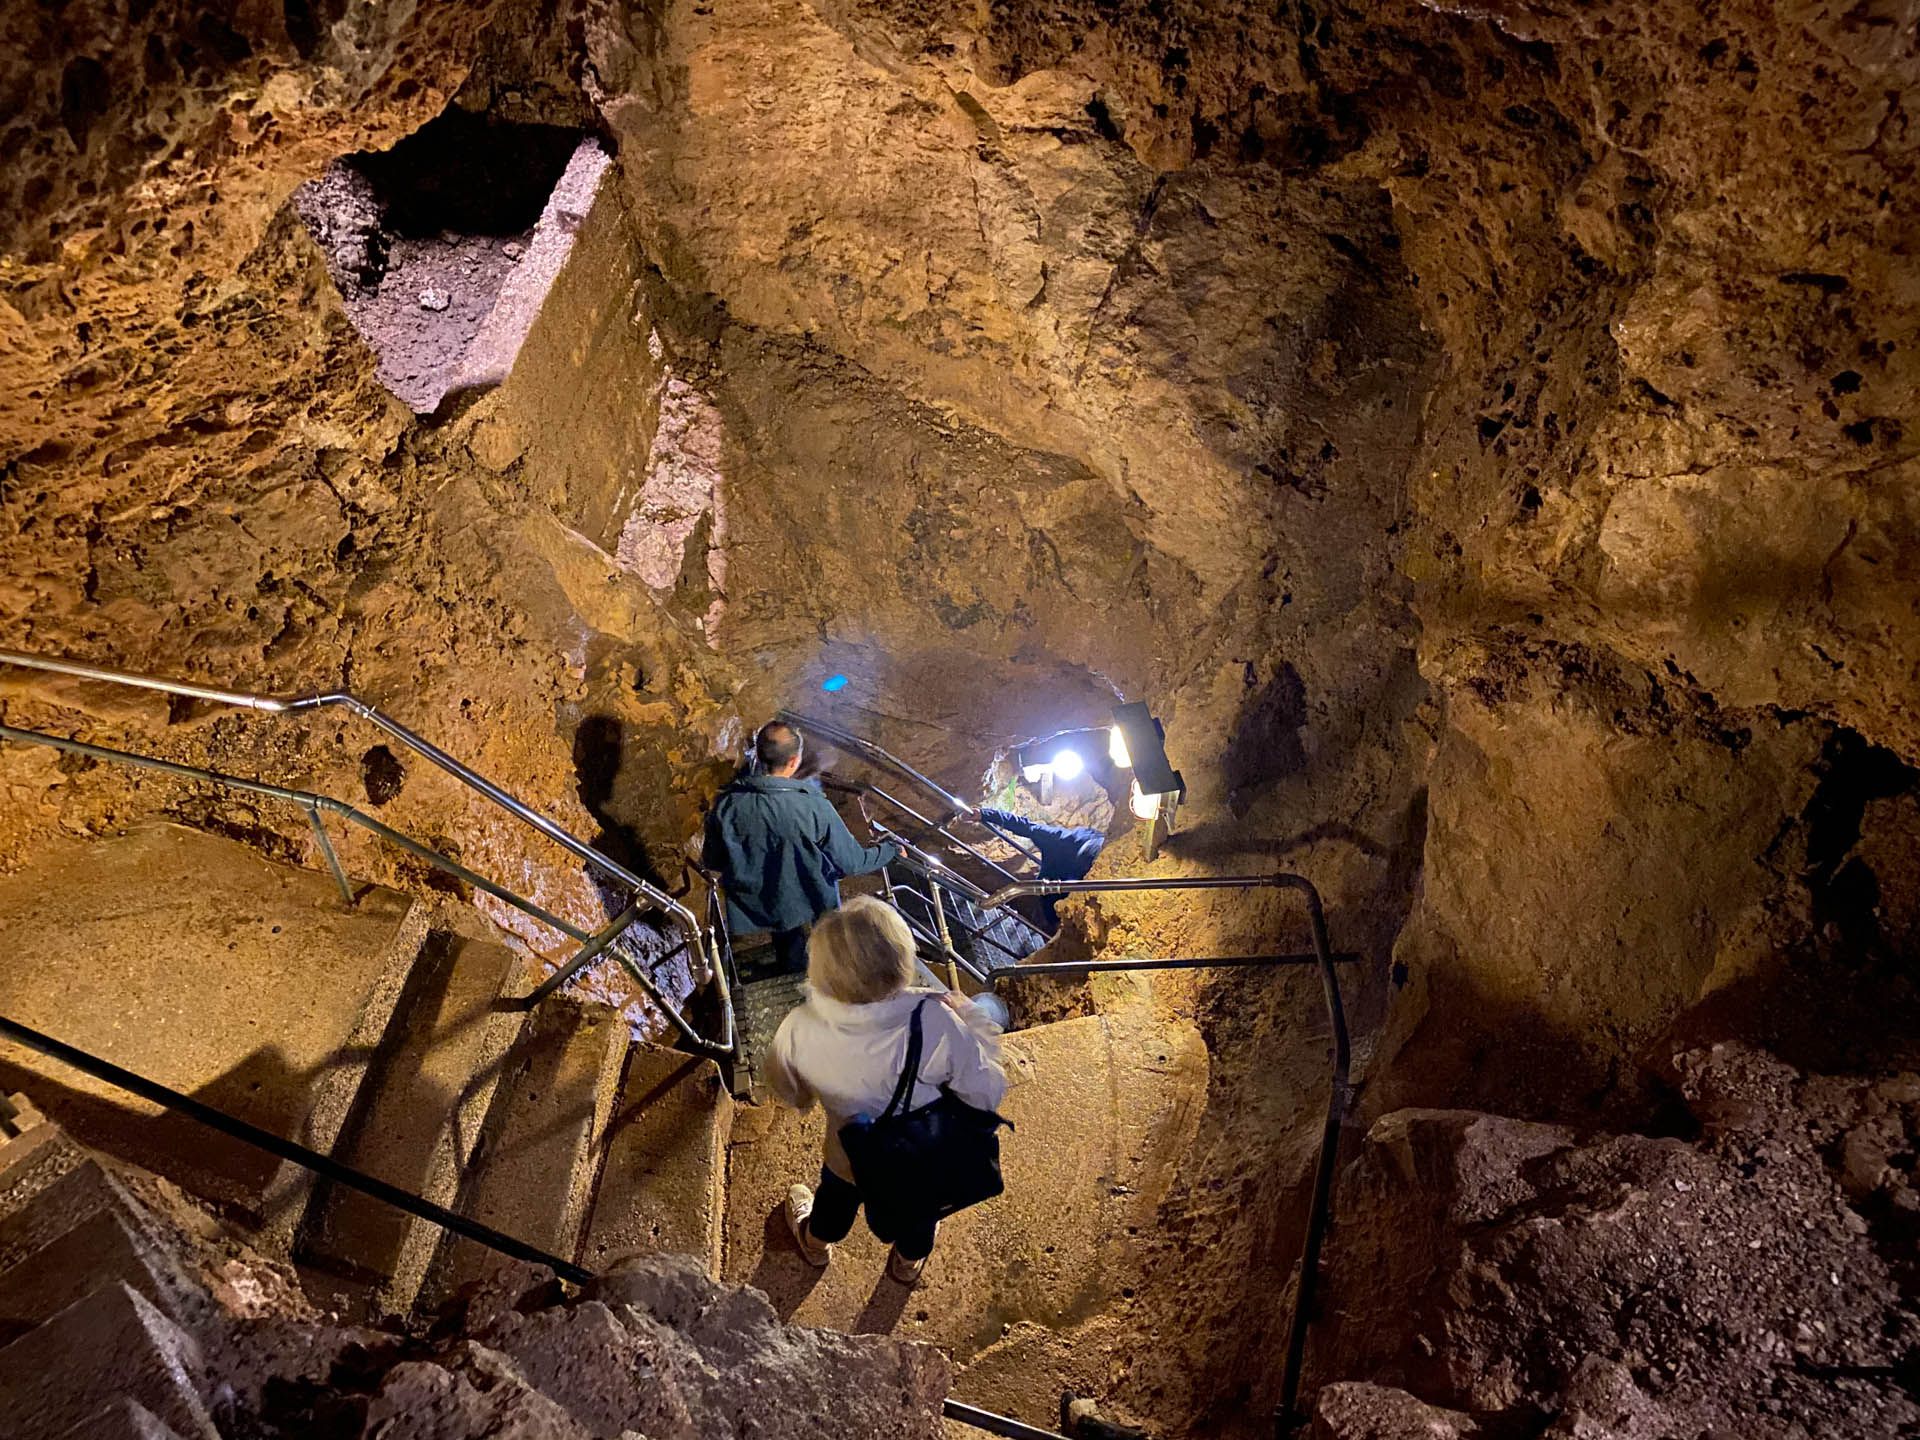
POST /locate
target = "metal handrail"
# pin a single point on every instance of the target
(406, 1201)
(994, 1424)
(934, 827)
(1285, 1418)
(844, 739)
(472, 779)
(322, 1165)
(938, 876)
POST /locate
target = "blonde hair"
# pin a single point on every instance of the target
(861, 952)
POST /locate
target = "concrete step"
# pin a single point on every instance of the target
(1106, 1109)
(194, 961)
(103, 1248)
(421, 1114)
(112, 1342)
(29, 1165)
(533, 1174)
(35, 1216)
(664, 1172)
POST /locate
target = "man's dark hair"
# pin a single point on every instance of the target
(777, 745)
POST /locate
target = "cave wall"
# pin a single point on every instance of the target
(1482, 430)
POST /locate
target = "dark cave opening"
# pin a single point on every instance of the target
(444, 246)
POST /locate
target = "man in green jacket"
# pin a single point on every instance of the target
(781, 849)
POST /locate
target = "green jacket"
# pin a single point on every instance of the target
(781, 850)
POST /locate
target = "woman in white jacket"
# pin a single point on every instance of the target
(846, 1048)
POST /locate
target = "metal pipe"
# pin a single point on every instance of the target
(997, 1424)
(1022, 888)
(326, 849)
(1287, 1418)
(970, 931)
(684, 917)
(283, 706)
(586, 955)
(145, 682)
(300, 1155)
(932, 942)
(946, 937)
(939, 828)
(450, 866)
(853, 744)
(1069, 969)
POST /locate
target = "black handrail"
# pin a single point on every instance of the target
(996, 1424)
(324, 1165)
(415, 1205)
(1285, 1417)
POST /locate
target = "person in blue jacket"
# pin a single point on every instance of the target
(781, 849)
(1066, 853)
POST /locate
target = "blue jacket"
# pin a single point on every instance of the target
(1065, 853)
(781, 850)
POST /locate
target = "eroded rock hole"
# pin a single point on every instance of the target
(445, 246)
(382, 774)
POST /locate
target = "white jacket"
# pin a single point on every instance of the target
(849, 1058)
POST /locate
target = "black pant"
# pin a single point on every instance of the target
(790, 950)
(834, 1205)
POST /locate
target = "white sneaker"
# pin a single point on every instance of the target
(798, 1207)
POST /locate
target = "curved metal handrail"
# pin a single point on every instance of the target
(283, 705)
(844, 739)
(1285, 1420)
(684, 918)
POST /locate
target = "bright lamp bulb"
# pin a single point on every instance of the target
(1144, 805)
(1117, 749)
(1068, 765)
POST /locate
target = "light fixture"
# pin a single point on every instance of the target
(1067, 765)
(1138, 742)
(1034, 774)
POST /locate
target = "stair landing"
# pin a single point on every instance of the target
(194, 961)
(1105, 1108)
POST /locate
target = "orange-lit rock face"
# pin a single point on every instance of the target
(1484, 432)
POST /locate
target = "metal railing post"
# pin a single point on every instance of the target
(946, 936)
(1286, 1417)
(682, 917)
(326, 849)
(585, 956)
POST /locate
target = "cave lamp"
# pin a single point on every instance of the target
(1138, 742)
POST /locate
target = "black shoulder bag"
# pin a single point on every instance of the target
(927, 1163)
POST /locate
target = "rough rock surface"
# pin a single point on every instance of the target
(1484, 430)
(1753, 1280)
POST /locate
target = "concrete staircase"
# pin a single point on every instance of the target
(132, 1316)
(96, 1317)
(391, 1036)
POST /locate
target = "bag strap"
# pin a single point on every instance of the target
(902, 1100)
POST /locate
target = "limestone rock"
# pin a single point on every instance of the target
(1354, 1410)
